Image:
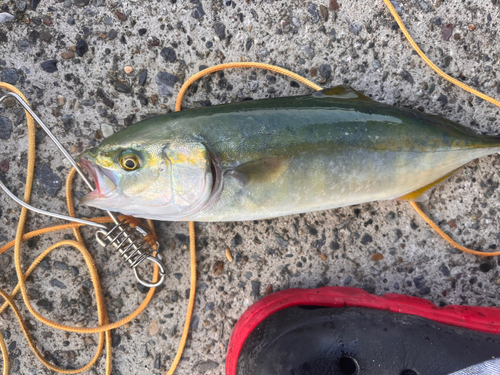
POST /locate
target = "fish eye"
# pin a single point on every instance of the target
(130, 162)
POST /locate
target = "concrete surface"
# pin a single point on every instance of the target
(380, 247)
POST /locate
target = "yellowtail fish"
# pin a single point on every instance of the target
(274, 157)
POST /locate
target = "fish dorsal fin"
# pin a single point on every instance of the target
(341, 92)
(420, 195)
(268, 169)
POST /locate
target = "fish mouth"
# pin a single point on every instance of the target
(105, 181)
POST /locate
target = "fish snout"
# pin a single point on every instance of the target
(105, 180)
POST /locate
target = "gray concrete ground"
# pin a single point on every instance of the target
(69, 56)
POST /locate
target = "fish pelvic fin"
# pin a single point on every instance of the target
(420, 195)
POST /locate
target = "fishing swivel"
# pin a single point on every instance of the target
(127, 241)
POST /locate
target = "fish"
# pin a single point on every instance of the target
(274, 157)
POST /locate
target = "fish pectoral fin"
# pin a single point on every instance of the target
(267, 169)
(341, 92)
(420, 195)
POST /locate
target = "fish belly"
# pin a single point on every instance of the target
(342, 177)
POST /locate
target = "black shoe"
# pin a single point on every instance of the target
(338, 330)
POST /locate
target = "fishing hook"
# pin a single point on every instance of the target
(127, 243)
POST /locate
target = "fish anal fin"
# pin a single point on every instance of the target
(341, 92)
(267, 169)
(420, 195)
(414, 197)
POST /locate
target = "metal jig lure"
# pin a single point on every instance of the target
(130, 244)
